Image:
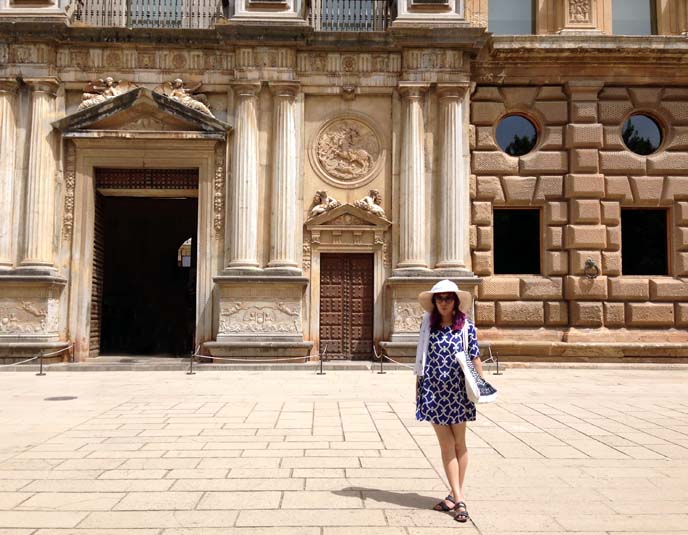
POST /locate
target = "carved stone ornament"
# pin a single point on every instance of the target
(186, 96)
(219, 190)
(580, 10)
(407, 317)
(371, 203)
(102, 90)
(237, 317)
(70, 181)
(347, 151)
(322, 203)
(26, 317)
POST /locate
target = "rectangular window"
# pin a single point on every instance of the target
(511, 17)
(634, 17)
(644, 244)
(516, 242)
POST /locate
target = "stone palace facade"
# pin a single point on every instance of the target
(273, 178)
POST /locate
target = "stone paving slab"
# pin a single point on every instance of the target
(247, 452)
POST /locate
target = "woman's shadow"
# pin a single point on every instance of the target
(412, 500)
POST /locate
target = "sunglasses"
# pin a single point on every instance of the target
(444, 298)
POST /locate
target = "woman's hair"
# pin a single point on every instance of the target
(436, 317)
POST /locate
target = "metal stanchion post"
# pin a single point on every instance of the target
(322, 357)
(497, 372)
(191, 372)
(382, 358)
(40, 368)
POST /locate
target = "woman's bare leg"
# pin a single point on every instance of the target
(461, 452)
(447, 441)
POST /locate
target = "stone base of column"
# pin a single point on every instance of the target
(29, 315)
(288, 271)
(402, 292)
(260, 317)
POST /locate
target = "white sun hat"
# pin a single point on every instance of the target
(446, 286)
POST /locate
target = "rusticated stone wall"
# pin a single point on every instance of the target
(533, 180)
(581, 175)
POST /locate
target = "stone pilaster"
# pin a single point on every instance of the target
(453, 194)
(242, 218)
(40, 197)
(8, 137)
(285, 214)
(585, 236)
(413, 245)
(582, 16)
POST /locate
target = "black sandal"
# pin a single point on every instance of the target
(443, 507)
(461, 516)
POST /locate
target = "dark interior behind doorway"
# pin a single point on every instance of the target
(148, 299)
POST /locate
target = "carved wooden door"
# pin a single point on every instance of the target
(346, 305)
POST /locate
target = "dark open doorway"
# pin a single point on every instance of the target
(148, 275)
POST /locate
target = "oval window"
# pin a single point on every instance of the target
(516, 135)
(641, 134)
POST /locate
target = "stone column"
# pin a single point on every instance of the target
(284, 220)
(40, 194)
(242, 219)
(413, 244)
(453, 194)
(8, 137)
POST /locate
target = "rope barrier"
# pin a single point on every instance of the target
(257, 360)
(383, 356)
(40, 355)
(18, 363)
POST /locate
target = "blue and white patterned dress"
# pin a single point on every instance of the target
(441, 397)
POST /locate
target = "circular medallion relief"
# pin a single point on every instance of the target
(347, 152)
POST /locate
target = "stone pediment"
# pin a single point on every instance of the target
(141, 113)
(348, 215)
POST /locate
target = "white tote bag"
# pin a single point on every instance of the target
(478, 389)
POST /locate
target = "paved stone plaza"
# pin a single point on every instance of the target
(587, 451)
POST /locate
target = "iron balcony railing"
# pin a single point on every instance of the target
(350, 15)
(200, 14)
(323, 15)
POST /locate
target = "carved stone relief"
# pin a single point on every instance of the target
(322, 203)
(70, 181)
(147, 123)
(347, 152)
(306, 253)
(102, 90)
(219, 190)
(26, 317)
(268, 317)
(407, 317)
(580, 10)
(371, 203)
(186, 96)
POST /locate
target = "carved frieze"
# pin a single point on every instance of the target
(347, 151)
(219, 190)
(70, 180)
(267, 317)
(407, 317)
(103, 59)
(322, 63)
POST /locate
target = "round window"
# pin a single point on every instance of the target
(642, 134)
(516, 135)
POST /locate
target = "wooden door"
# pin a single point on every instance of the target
(346, 305)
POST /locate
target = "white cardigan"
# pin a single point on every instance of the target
(424, 342)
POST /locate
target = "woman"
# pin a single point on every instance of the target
(441, 391)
